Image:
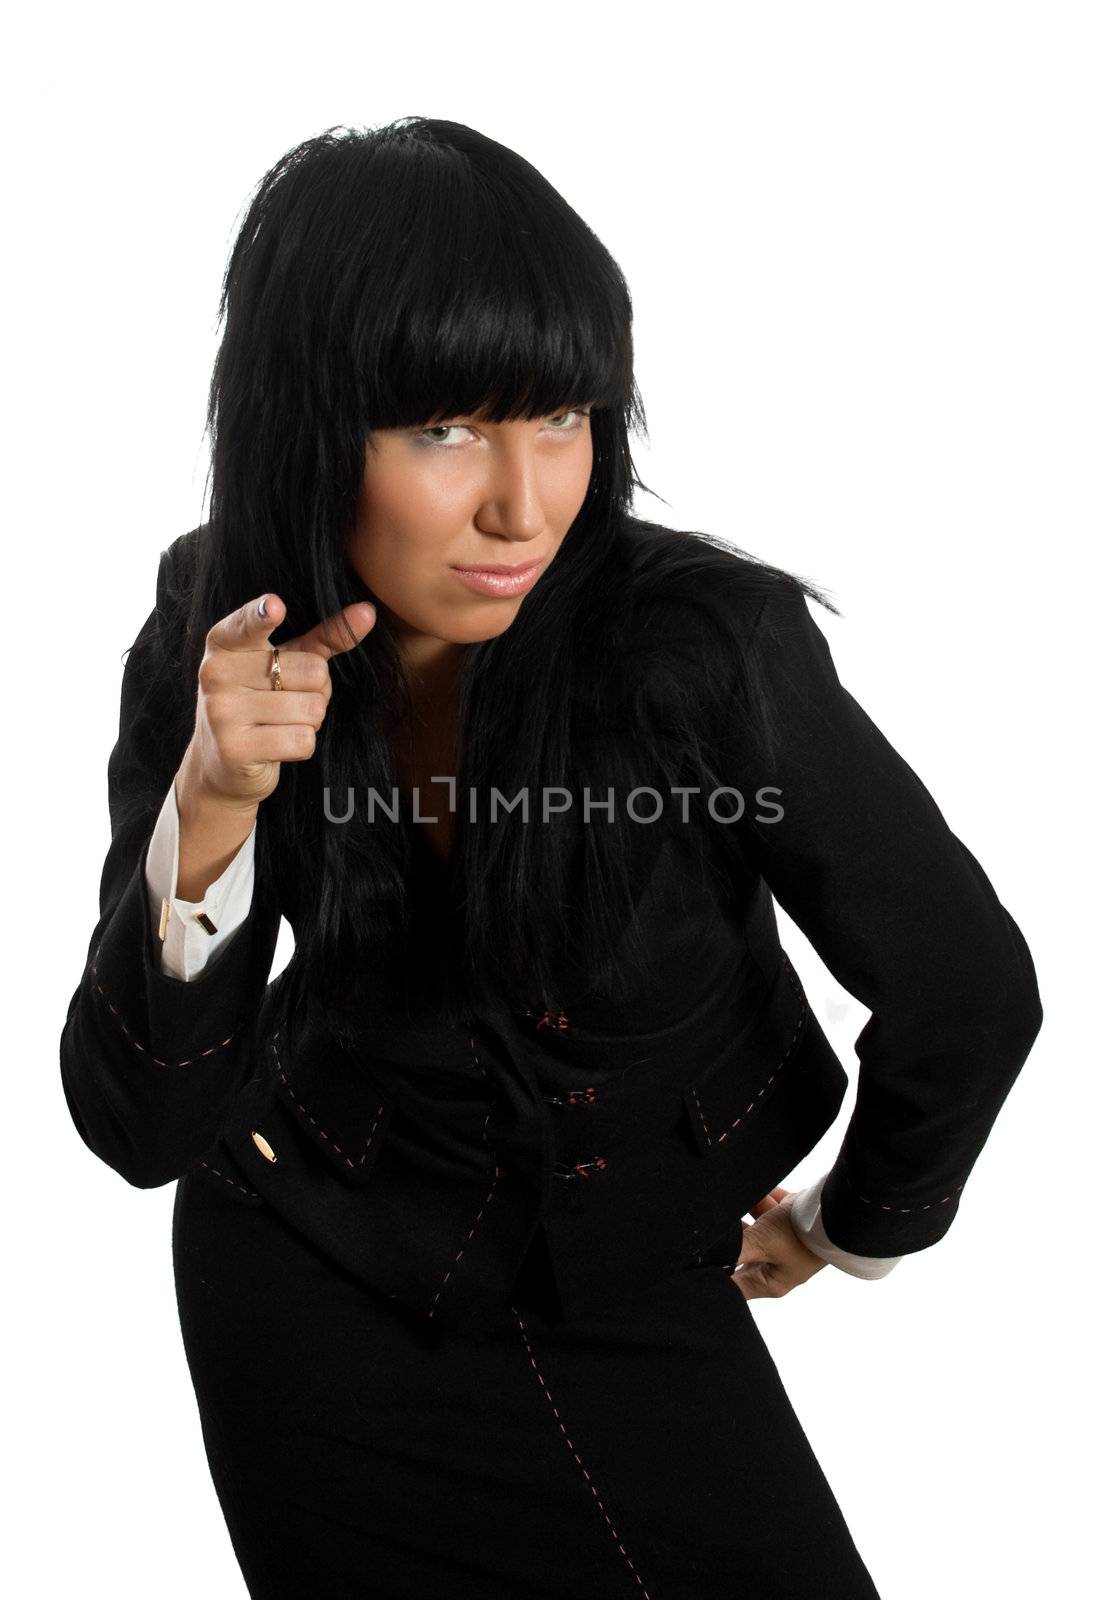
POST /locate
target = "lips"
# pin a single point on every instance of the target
(499, 568)
(499, 581)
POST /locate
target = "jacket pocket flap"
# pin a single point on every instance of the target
(721, 1100)
(334, 1098)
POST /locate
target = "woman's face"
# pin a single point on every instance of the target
(465, 493)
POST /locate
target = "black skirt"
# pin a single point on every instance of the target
(359, 1450)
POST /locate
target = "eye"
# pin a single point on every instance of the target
(425, 434)
(429, 436)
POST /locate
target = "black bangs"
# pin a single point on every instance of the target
(502, 304)
(472, 288)
(422, 271)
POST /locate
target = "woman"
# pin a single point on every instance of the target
(459, 1232)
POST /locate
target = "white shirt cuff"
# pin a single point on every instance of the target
(188, 943)
(806, 1220)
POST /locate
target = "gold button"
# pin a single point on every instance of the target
(262, 1146)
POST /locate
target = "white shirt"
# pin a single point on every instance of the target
(189, 943)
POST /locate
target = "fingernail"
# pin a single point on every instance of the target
(262, 607)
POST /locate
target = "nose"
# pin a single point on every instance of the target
(511, 504)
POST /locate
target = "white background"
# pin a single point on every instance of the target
(862, 245)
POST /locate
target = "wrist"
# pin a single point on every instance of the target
(197, 802)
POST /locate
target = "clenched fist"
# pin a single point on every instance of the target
(773, 1258)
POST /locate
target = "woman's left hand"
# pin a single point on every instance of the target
(773, 1259)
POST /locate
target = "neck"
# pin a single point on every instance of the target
(434, 668)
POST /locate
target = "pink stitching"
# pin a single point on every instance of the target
(484, 1204)
(559, 1023)
(759, 1092)
(229, 1180)
(881, 1206)
(465, 1242)
(579, 1169)
(577, 1459)
(190, 1060)
(575, 1097)
(358, 1162)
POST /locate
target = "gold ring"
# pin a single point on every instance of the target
(276, 669)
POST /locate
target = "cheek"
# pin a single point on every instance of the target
(574, 486)
(402, 522)
(413, 505)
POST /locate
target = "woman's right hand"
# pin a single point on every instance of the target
(244, 728)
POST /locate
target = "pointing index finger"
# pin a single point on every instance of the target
(250, 626)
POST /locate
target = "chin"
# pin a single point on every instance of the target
(480, 629)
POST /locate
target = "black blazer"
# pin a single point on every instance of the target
(637, 1135)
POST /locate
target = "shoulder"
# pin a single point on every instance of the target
(156, 657)
(698, 601)
(179, 564)
(721, 645)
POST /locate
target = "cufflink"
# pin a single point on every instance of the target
(162, 931)
(200, 916)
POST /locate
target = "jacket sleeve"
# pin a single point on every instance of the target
(805, 1215)
(150, 1065)
(907, 921)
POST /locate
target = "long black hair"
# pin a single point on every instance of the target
(384, 278)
